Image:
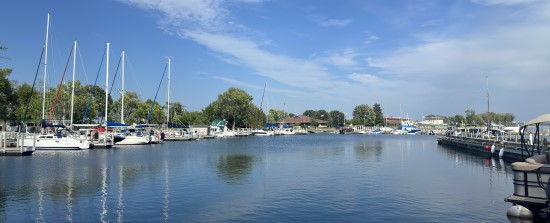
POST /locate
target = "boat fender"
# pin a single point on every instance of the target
(518, 211)
(493, 148)
(501, 153)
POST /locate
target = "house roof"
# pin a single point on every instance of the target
(302, 119)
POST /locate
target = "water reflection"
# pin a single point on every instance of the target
(368, 150)
(120, 203)
(104, 207)
(166, 197)
(461, 157)
(329, 178)
(234, 169)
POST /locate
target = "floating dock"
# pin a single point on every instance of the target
(512, 150)
(10, 144)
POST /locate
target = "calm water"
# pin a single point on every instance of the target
(311, 178)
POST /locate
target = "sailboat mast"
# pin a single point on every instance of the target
(106, 85)
(122, 97)
(45, 65)
(266, 105)
(72, 90)
(168, 115)
(488, 113)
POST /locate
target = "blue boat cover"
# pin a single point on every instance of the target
(116, 124)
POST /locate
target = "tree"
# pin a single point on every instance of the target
(234, 105)
(191, 118)
(322, 115)
(8, 97)
(470, 116)
(336, 118)
(310, 113)
(363, 115)
(277, 115)
(378, 115)
(256, 119)
(23, 92)
(457, 120)
(177, 108)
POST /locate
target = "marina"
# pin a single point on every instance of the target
(313, 177)
(357, 125)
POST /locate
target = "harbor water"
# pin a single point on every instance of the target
(305, 178)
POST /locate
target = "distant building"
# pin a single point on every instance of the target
(433, 120)
(304, 120)
(394, 120)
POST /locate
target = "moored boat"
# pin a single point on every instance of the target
(59, 139)
(531, 197)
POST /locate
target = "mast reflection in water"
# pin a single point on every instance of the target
(324, 178)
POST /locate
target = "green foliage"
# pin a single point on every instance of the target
(257, 118)
(8, 97)
(336, 118)
(472, 118)
(322, 115)
(310, 113)
(191, 118)
(379, 116)
(363, 115)
(234, 105)
(277, 115)
(505, 118)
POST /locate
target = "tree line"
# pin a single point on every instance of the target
(23, 103)
(471, 118)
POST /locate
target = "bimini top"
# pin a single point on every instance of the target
(540, 119)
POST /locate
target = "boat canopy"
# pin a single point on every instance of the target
(538, 120)
(45, 124)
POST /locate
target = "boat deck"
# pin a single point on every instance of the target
(525, 200)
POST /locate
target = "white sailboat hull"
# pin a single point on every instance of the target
(65, 143)
(134, 140)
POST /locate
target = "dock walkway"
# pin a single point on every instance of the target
(512, 150)
(11, 144)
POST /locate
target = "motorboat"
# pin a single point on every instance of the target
(261, 132)
(531, 182)
(406, 128)
(219, 129)
(132, 137)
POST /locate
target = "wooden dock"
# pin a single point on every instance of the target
(11, 144)
(482, 146)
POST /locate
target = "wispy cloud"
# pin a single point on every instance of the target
(329, 22)
(287, 70)
(366, 79)
(430, 69)
(335, 22)
(342, 59)
(204, 13)
(370, 38)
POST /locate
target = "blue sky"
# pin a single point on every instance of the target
(412, 57)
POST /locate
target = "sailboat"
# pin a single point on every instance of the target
(99, 137)
(127, 136)
(58, 137)
(264, 131)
